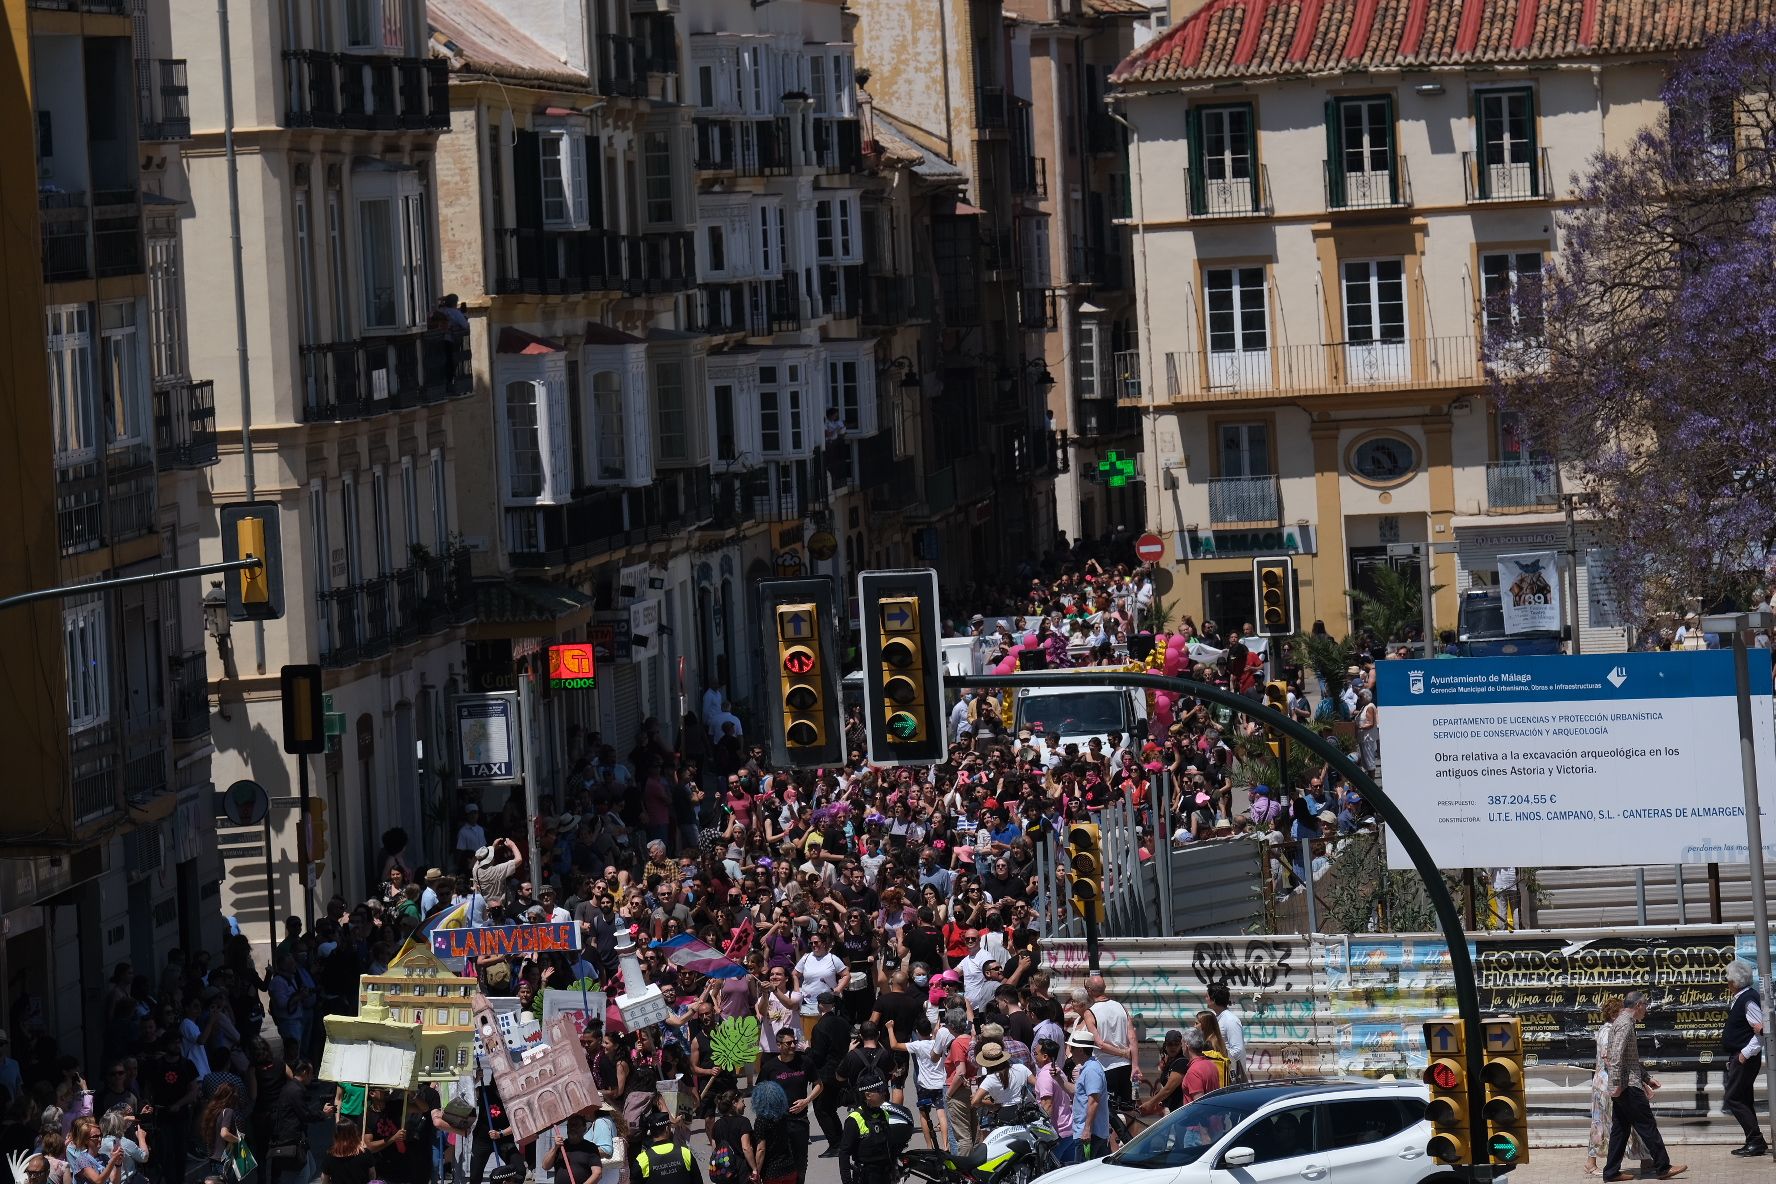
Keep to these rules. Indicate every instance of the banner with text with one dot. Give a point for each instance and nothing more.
(485, 941)
(1616, 759)
(1531, 592)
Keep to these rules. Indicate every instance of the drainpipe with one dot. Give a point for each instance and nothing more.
(1149, 372)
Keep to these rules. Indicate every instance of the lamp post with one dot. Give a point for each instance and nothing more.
(216, 621)
(1739, 625)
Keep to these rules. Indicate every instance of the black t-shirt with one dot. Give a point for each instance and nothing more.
(580, 1156)
(1178, 1065)
(348, 1169)
(864, 1062)
(902, 1009)
(166, 1081)
(729, 1130)
(861, 897)
(792, 1076)
(925, 945)
(1020, 1026)
(779, 1138)
(393, 1162)
(859, 953)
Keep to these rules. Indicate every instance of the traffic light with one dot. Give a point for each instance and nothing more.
(1447, 1075)
(903, 701)
(1276, 695)
(1507, 1111)
(807, 726)
(1085, 863)
(317, 832)
(1273, 581)
(305, 724)
(250, 530)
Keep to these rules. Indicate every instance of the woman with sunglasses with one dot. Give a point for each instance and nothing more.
(119, 1131)
(84, 1160)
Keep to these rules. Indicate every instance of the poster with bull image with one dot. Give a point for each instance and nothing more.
(1529, 588)
(1556, 987)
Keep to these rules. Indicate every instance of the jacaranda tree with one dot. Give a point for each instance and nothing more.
(1653, 374)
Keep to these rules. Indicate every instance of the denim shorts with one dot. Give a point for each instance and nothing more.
(930, 1099)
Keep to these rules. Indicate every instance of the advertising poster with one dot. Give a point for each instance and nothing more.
(1380, 991)
(1530, 590)
(1617, 759)
(1556, 987)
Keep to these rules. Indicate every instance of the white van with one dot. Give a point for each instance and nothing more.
(1077, 714)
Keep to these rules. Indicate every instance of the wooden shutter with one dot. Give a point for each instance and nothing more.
(1482, 175)
(527, 203)
(1252, 154)
(1198, 188)
(1334, 157)
(1393, 154)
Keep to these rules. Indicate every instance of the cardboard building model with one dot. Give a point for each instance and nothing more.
(418, 986)
(371, 1049)
(545, 1085)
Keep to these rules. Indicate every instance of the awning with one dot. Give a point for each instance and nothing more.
(958, 208)
(515, 609)
(517, 341)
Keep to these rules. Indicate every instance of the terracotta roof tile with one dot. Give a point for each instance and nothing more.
(1270, 38)
(1117, 7)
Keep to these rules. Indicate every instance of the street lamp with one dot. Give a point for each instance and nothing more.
(909, 378)
(1739, 625)
(216, 622)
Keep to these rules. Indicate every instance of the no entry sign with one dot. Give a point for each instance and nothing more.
(1149, 548)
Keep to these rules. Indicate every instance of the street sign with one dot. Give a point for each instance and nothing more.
(1556, 761)
(1502, 1036)
(245, 803)
(1443, 1036)
(1115, 471)
(1149, 548)
(487, 738)
(822, 545)
(573, 667)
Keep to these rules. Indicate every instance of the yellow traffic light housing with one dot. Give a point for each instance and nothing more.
(1276, 695)
(249, 530)
(806, 727)
(1085, 863)
(903, 713)
(1273, 581)
(1507, 1107)
(1447, 1074)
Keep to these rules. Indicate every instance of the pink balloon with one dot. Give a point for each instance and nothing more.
(1006, 666)
(1030, 640)
(1162, 716)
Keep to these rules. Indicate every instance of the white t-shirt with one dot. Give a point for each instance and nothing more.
(192, 1048)
(928, 1060)
(1113, 1028)
(1233, 1035)
(1006, 1093)
(975, 984)
(819, 975)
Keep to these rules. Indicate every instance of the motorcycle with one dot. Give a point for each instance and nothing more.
(1016, 1151)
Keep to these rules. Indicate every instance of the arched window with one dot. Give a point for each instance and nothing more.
(607, 412)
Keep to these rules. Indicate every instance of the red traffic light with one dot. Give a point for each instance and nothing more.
(798, 661)
(1444, 1076)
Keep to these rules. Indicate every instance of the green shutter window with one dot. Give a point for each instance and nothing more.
(1508, 160)
(1386, 139)
(1252, 154)
(1198, 199)
(1334, 158)
(1481, 189)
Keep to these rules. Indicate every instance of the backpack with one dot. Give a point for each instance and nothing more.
(725, 1166)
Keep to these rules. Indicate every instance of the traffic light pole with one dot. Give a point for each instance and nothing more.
(1461, 965)
(153, 577)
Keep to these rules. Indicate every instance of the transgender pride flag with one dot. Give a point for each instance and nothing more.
(699, 957)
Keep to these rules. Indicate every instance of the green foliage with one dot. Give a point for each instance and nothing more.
(735, 1042)
(1368, 898)
(1156, 617)
(1326, 657)
(1394, 607)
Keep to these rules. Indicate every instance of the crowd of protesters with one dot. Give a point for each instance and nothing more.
(888, 920)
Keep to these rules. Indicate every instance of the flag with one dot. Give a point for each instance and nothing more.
(449, 917)
(699, 957)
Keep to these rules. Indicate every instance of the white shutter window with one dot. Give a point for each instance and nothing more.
(847, 245)
(524, 440)
(765, 254)
(577, 154)
(89, 675)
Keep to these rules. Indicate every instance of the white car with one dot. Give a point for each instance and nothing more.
(1324, 1131)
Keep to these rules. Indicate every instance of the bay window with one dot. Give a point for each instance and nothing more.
(524, 440)
(851, 386)
(607, 419)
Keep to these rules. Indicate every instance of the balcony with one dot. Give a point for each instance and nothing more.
(1420, 363)
(66, 252)
(101, 7)
(164, 97)
(998, 253)
(364, 92)
(992, 108)
(1128, 375)
(1529, 180)
(715, 145)
(606, 520)
(557, 262)
(185, 424)
(1103, 135)
(887, 301)
(94, 772)
(130, 500)
(662, 261)
(145, 757)
(1244, 499)
(356, 379)
(841, 289)
(1029, 176)
(364, 620)
(1228, 197)
(776, 307)
(1386, 189)
(80, 507)
(189, 692)
(768, 153)
(117, 232)
(838, 145)
(1522, 485)
(622, 66)
(1104, 270)
(1038, 308)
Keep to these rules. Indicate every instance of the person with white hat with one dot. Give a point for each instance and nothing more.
(1091, 1096)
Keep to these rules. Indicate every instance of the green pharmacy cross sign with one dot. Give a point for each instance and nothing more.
(1115, 471)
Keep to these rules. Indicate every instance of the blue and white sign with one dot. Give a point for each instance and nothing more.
(1616, 759)
(487, 738)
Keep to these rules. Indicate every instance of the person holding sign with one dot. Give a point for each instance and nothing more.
(574, 1159)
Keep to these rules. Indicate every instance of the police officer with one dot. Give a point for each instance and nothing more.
(662, 1159)
(866, 1153)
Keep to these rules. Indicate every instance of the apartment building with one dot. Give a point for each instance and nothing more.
(108, 854)
(948, 76)
(1070, 172)
(345, 393)
(678, 258)
(1330, 219)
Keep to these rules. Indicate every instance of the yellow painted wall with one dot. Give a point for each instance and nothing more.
(33, 695)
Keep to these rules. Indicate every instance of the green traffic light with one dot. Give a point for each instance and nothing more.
(1502, 1147)
(902, 726)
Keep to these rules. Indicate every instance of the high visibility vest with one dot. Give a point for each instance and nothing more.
(661, 1157)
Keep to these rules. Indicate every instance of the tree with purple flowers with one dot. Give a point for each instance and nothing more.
(1651, 376)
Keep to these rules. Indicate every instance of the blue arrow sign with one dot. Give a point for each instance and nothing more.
(897, 615)
(795, 624)
(1501, 1036)
(1442, 1038)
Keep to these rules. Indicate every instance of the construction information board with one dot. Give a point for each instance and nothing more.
(1592, 759)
